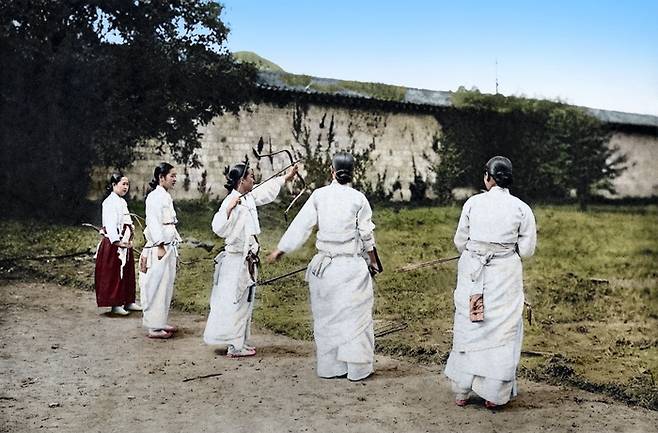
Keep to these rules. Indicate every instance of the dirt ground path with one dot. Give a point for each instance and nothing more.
(66, 366)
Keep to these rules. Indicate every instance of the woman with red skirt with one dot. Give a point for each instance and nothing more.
(115, 265)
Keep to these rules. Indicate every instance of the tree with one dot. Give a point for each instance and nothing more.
(587, 162)
(554, 147)
(87, 82)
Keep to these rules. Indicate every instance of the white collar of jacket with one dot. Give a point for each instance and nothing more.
(497, 188)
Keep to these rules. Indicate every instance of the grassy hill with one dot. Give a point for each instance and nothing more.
(260, 62)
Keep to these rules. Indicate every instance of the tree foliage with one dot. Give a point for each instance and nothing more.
(555, 148)
(586, 160)
(87, 82)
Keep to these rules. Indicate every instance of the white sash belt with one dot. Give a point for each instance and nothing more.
(484, 253)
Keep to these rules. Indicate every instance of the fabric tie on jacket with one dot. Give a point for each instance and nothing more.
(484, 253)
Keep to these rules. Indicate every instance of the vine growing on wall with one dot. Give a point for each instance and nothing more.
(202, 186)
(317, 154)
(377, 191)
(447, 172)
(555, 148)
(419, 185)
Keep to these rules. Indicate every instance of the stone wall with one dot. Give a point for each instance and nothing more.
(397, 140)
(640, 179)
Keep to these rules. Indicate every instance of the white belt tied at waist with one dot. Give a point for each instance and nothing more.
(484, 252)
(322, 260)
(149, 259)
(173, 243)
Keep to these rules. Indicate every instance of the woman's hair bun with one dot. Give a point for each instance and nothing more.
(500, 168)
(161, 169)
(343, 164)
(115, 178)
(234, 174)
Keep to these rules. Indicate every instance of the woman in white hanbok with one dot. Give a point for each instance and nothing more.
(160, 254)
(236, 267)
(339, 275)
(495, 230)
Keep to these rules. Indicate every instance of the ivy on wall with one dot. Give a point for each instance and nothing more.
(555, 148)
(318, 151)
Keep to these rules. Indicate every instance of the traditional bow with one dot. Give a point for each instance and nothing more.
(271, 155)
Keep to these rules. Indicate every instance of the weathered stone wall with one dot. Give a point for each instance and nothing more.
(640, 179)
(396, 139)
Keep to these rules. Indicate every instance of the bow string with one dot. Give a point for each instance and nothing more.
(257, 153)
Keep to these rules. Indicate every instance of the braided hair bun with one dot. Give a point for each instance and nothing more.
(343, 164)
(500, 168)
(161, 169)
(115, 178)
(235, 174)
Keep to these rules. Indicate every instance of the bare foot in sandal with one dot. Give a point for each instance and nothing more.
(490, 405)
(160, 333)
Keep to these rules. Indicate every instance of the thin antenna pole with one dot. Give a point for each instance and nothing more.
(496, 75)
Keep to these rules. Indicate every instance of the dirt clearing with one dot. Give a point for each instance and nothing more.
(67, 366)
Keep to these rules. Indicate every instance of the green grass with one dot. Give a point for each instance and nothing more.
(592, 284)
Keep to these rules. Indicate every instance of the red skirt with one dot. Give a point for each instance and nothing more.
(111, 289)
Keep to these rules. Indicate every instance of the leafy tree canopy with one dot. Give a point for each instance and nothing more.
(84, 82)
(555, 148)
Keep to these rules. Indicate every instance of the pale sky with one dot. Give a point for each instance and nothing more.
(600, 54)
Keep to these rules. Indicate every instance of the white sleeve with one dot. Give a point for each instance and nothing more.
(463, 228)
(223, 225)
(301, 227)
(268, 191)
(527, 233)
(366, 226)
(125, 214)
(154, 219)
(110, 221)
